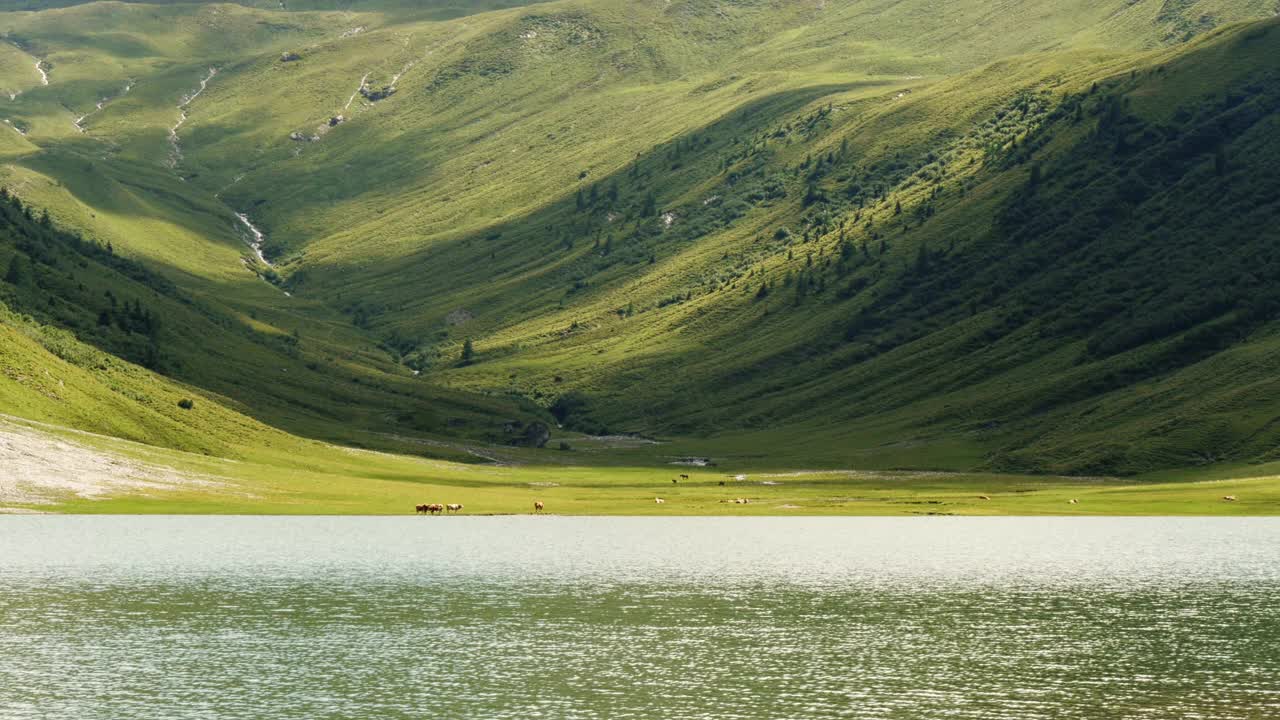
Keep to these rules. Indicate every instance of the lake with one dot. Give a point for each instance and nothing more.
(131, 618)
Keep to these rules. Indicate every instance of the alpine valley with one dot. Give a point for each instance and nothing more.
(747, 256)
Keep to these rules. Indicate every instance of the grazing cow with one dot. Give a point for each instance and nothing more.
(1074, 501)
(983, 497)
(420, 509)
(675, 481)
(684, 477)
(658, 501)
(721, 483)
(1230, 498)
(537, 506)
(453, 507)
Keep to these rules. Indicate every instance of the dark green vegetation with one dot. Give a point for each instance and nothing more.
(795, 234)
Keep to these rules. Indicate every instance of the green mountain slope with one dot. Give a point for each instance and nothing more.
(309, 379)
(1027, 237)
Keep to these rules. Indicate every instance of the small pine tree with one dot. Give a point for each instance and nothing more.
(650, 206)
(763, 292)
(18, 273)
(922, 259)
(468, 351)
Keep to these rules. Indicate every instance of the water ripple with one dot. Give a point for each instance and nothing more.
(239, 618)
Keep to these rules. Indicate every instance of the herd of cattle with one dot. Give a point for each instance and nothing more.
(437, 508)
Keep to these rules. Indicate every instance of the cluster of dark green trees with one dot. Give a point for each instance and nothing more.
(60, 279)
(1152, 236)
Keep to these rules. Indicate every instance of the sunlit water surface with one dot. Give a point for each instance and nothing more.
(131, 618)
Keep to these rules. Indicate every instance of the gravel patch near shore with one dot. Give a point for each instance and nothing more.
(39, 469)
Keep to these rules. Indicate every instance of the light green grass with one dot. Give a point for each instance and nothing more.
(289, 476)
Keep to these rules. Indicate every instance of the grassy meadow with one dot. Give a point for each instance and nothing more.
(290, 476)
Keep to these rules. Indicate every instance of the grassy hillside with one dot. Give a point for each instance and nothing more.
(307, 378)
(1032, 237)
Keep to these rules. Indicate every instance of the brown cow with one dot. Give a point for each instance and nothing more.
(453, 507)
(537, 506)
(684, 477)
(435, 508)
(422, 509)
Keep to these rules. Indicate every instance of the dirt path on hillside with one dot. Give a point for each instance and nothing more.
(79, 122)
(39, 469)
(488, 453)
(175, 154)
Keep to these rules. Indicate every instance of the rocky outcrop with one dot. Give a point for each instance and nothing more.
(290, 57)
(459, 317)
(537, 435)
(373, 95)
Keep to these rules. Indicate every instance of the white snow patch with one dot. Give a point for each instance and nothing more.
(256, 238)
